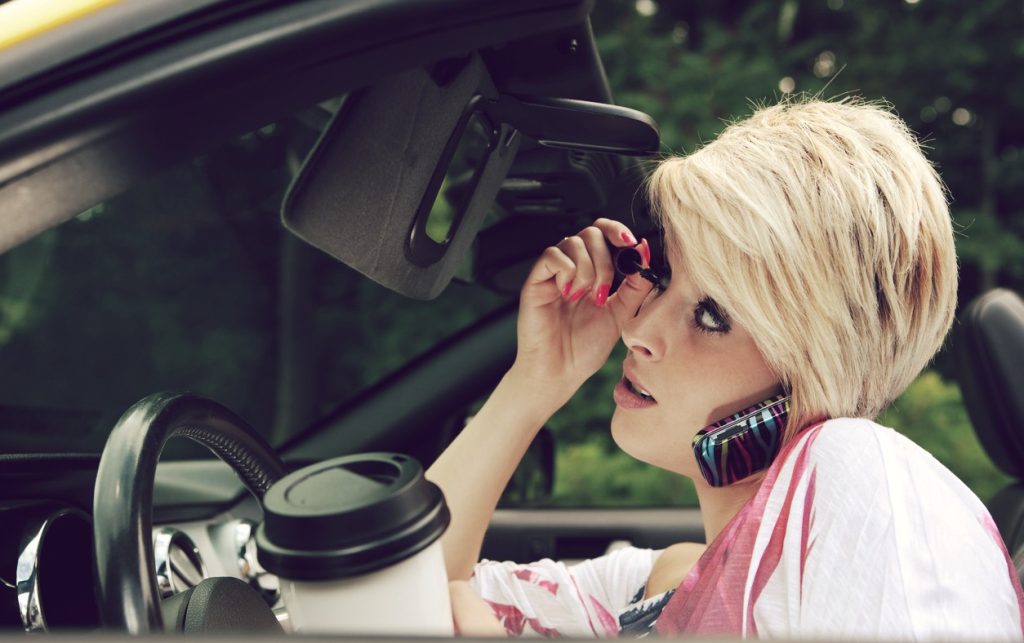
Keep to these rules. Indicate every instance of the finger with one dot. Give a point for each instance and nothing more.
(576, 250)
(553, 266)
(617, 233)
(604, 269)
(627, 300)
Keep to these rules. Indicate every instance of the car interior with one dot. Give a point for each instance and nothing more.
(425, 147)
(409, 117)
(989, 350)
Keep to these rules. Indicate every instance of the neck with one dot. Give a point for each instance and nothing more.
(718, 505)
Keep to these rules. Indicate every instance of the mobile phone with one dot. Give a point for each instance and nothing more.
(741, 444)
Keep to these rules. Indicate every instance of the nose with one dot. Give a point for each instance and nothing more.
(641, 333)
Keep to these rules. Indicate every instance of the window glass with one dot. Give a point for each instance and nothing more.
(189, 282)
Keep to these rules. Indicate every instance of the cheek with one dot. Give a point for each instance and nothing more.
(700, 380)
(711, 379)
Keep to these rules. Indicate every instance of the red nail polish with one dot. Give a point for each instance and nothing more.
(628, 238)
(579, 293)
(645, 249)
(602, 294)
(567, 289)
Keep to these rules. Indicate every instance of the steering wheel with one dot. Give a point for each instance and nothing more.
(123, 498)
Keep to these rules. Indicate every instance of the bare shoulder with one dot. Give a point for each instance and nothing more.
(672, 567)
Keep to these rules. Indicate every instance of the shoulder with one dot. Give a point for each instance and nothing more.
(834, 438)
(880, 523)
(856, 456)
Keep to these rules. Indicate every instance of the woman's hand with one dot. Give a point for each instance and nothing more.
(472, 615)
(567, 323)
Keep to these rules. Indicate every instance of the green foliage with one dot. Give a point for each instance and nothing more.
(185, 281)
(591, 475)
(984, 243)
(948, 68)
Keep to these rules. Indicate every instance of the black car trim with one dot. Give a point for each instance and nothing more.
(406, 410)
(68, 149)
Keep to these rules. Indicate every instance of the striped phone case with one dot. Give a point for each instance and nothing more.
(743, 443)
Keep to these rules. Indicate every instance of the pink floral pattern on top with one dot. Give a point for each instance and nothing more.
(855, 532)
(549, 598)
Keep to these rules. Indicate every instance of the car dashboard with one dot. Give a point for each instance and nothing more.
(203, 527)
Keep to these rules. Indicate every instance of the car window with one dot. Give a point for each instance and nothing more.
(189, 282)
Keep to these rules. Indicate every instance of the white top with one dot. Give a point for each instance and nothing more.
(855, 532)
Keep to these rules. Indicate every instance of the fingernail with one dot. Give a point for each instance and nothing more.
(579, 293)
(602, 294)
(567, 289)
(628, 238)
(645, 250)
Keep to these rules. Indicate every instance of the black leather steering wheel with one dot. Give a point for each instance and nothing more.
(123, 497)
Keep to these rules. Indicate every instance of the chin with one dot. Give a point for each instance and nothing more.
(646, 440)
(642, 440)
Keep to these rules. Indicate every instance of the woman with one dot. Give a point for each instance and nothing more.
(813, 275)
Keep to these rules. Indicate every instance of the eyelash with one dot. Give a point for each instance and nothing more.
(705, 305)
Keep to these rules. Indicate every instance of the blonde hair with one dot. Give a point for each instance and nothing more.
(821, 228)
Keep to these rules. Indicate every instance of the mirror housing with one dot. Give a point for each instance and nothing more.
(579, 124)
(400, 181)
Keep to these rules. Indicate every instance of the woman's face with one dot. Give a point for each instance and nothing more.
(698, 365)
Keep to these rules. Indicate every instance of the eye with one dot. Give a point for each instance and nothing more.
(708, 317)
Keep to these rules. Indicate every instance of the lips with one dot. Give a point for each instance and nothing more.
(630, 393)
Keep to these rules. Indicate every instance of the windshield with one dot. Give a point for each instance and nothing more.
(189, 282)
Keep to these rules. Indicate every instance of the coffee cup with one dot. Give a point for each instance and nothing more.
(356, 544)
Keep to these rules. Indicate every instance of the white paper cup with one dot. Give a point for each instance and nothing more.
(355, 542)
(408, 598)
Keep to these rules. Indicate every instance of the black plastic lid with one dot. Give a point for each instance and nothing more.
(349, 516)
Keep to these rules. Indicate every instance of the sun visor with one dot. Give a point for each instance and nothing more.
(403, 176)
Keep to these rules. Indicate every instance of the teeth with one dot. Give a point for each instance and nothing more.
(639, 391)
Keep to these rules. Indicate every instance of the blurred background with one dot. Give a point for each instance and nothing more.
(188, 280)
(950, 69)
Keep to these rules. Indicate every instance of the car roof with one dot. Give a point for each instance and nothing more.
(37, 36)
(92, 101)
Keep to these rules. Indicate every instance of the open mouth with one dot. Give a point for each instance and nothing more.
(636, 390)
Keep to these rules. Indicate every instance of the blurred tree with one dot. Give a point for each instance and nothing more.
(948, 68)
(206, 292)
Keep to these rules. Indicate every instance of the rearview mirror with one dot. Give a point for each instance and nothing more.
(403, 176)
(579, 124)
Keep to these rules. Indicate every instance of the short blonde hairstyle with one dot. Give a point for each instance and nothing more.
(821, 228)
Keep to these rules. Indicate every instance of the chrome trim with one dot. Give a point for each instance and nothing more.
(26, 574)
(178, 563)
(27, 580)
(281, 614)
(249, 568)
